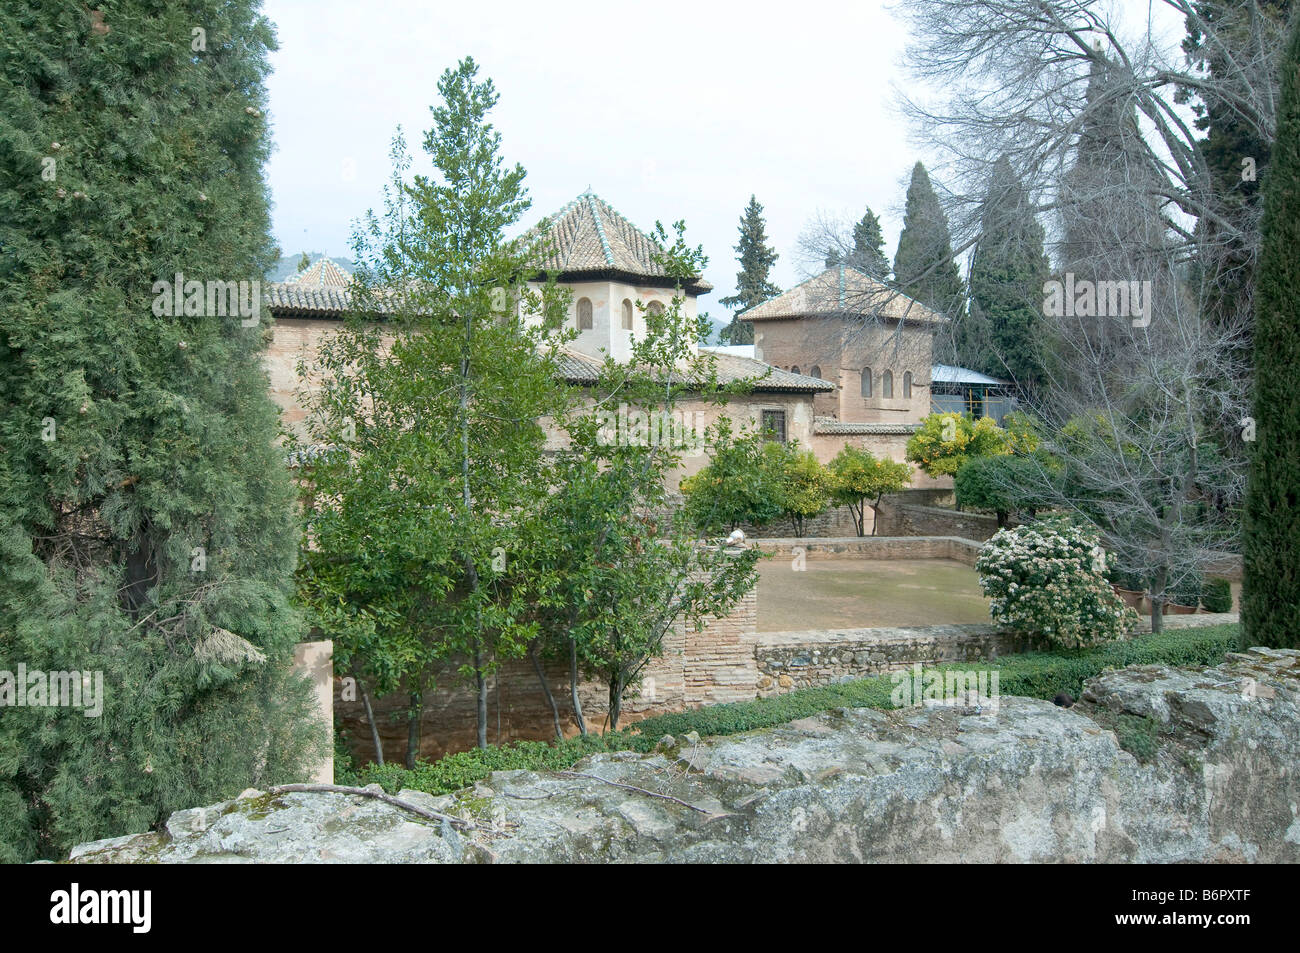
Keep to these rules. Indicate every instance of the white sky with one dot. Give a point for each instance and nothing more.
(667, 110)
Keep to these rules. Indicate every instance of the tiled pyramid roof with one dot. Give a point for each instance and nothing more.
(322, 287)
(840, 290)
(322, 273)
(588, 237)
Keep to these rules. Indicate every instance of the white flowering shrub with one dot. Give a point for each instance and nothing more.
(1050, 580)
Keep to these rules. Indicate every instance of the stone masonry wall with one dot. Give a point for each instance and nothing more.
(907, 519)
(790, 660)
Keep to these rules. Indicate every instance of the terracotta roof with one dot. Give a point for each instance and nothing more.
(283, 297)
(588, 237)
(827, 425)
(841, 290)
(322, 273)
(579, 368)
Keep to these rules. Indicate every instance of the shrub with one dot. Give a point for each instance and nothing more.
(1049, 579)
(1217, 596)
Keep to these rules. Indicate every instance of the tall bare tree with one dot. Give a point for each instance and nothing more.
(1147, 381)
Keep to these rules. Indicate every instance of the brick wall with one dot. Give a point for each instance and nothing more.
(708, 667)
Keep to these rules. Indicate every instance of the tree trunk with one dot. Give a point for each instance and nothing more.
(481, 684)
(1158, 601)
(535, 653)
(573, 686)
(413, 711)
(370, 715)
(615, 702)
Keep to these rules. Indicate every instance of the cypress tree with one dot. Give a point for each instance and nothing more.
(1270, 605)
(869, 247)
(1236, 156)
(756, 258)
(146, 522)
(923, 265)
(1007, 273)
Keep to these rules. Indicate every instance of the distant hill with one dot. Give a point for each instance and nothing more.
(717, 327)
(287, 265)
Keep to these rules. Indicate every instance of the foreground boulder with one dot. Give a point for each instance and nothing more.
(1152, 765)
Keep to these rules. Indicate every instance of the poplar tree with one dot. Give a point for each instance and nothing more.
(1271, 589)
(756, 258)
(146, 530)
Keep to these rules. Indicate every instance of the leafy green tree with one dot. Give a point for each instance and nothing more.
(1003, 483)
(1271, 587)
(1008, 270)
(611, 579)
(857, 475)
(924, 268)
(736, 486)
(434, 417)
(946, 441)
(146, 523)
(803, 485)
(756, 258)
(869, 247)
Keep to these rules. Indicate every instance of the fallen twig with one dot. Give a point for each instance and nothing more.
(377, 795)
(633, 787)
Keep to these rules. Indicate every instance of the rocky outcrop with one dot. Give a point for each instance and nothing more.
(1152, 765)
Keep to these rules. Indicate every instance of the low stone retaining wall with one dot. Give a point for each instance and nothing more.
(898, 518)
(836, 521)
(790, 660)
(876, 547)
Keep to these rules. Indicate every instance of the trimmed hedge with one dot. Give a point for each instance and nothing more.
(1031, 674)
(1217, 596)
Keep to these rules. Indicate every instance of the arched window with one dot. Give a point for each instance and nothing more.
(627, 315)
(816, 370)
(584, 314)
(866, 382)
(794, 369)
(907, 385)
(655, 307)
(887, 385)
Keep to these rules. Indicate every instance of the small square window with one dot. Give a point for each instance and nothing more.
(773, 422)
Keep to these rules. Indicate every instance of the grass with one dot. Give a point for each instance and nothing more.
(1031, 674)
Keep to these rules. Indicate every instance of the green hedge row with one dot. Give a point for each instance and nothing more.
(1032, 674)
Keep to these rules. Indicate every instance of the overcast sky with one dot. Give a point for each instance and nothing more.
(670, 110)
